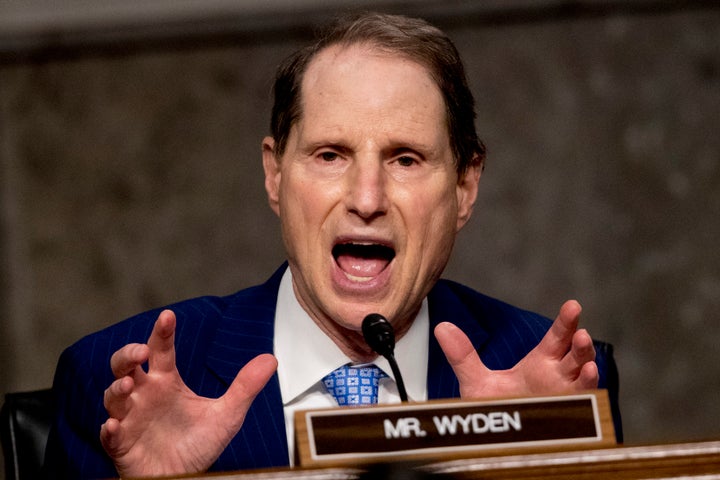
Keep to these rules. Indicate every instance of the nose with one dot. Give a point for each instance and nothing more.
(367, 190)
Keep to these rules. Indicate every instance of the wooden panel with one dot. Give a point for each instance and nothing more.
(699, 460)
(658, 461)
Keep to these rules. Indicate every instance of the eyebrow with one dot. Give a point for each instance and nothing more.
(392, 144)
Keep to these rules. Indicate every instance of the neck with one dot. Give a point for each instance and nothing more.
(351, 342)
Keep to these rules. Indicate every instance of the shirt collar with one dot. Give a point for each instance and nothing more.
(306, 354)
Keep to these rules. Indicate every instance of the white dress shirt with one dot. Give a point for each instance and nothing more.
(305, 355)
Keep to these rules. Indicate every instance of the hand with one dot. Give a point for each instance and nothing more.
(563, 361)
(157, 425)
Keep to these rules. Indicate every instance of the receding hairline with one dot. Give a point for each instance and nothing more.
(372, 48)
(398, 36)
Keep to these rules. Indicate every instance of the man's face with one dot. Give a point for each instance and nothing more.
(366, 190)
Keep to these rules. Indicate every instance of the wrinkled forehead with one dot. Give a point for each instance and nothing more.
(334, 53)
(366, 64)
(357, 79)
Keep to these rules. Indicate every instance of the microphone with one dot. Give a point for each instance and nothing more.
(380, 336)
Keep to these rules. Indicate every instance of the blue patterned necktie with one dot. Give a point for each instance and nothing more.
(354, 385)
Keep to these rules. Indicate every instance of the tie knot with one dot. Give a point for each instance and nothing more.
(354, 385)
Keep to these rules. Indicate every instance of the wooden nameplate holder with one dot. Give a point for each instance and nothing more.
(453, 429)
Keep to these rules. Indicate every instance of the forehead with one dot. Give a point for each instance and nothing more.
(341, 63)
(364, 82)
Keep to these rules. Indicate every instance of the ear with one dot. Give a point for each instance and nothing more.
(467, 190)
(271, 165)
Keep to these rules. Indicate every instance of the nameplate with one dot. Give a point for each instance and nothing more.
(453, 428)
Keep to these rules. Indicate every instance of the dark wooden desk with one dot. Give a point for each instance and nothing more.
(699, 460)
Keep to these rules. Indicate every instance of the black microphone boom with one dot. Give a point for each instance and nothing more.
(379, 334)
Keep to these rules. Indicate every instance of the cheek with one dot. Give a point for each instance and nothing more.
(305, 209)
(293, 217)
(297, 200)
(439, 205)
(433, 217)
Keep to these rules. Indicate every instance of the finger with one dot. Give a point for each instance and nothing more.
(588, 377)
(111, 437)
(117, 397)
(582, 349)
(558, 339)
(247, 384)
(460, 353)
(162, 343)
(581, 352)
(126, 360)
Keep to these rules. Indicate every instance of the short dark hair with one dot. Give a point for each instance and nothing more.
(412, 38)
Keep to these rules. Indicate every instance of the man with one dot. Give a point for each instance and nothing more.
(373, 168)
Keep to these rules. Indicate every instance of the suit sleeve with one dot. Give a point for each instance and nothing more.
(610, 380)
(74, 449)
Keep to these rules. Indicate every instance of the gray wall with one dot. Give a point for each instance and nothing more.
(130, 177)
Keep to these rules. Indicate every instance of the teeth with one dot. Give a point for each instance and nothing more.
(358, 279)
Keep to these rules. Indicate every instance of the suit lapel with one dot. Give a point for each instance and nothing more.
(246, 330)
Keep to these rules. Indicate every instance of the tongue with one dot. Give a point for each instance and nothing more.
(361, 266)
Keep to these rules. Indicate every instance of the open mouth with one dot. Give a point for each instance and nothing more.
(362, 261)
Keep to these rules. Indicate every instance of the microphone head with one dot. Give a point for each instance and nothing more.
(379, 334)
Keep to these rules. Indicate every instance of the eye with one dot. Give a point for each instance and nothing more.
(406, 161)
(328, 156)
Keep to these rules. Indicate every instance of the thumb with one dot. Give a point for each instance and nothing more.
(460, 354)
(248, 383)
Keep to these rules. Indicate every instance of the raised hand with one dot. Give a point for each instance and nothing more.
(563, 361)
(157, 425)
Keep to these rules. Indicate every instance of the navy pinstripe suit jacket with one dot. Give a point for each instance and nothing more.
(216, 336)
